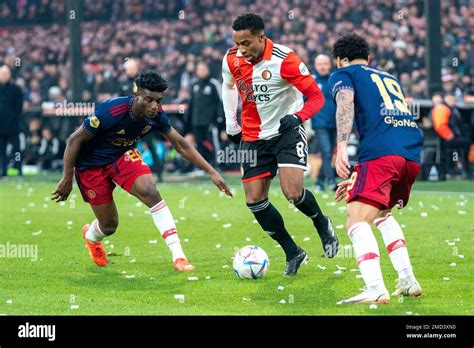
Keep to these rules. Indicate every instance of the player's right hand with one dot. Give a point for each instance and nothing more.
(342, 190)
(62, 191)
(342, 162)
(219, 181)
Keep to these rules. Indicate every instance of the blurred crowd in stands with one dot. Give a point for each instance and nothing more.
(175, 36)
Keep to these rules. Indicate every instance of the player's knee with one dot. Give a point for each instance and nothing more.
(148, 192)
(252, 197)
(292, 194)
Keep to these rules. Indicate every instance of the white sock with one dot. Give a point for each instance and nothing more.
(367, 255)
(394, 240)
(164, 222)
(94, 234)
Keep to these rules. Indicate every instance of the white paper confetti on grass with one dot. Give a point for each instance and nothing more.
(341, 268)
(280, 288)
(207, 277)
(461, 256)
(373, 306)
(354, 270)
(445, 278)
(424, 214)
(37, 233)
(193, 278)
(27, 222)
(282, 301)
(457, 239)
(74, 306)
(31, 204)
(45, 206)
(325, 196)
(331, 204)
(186, 240)
(69, 223)
(214, 215)
(218, 246)
(306, 239)
(138, 204)
(247, 239)
(226, 225)
(131, 276)
(124, 272)
(9, 301)
(130, 214)
(153, 241)
(245, 298)
(182, 218)
(179, 297)
(451, 243)
(255, 222)
(409, 313)
(403, 226)
(225, 266)
(337, 272)
(133, 260)
(339, 227)
(24, 210)
(107, 242)
(206, 192)
(453, 264)
(461, 212)
(358, 275)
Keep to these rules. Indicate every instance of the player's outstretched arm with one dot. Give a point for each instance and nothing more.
(73, 147)
(190, 153)
(344, 121)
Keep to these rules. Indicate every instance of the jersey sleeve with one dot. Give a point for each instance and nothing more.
(97, 120)
(164, 125)
(296, 72)
(339, 80)
(230, 99)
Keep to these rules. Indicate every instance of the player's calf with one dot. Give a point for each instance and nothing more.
(395, 244)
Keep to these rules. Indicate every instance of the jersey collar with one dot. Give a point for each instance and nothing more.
(267, 53)
(130, 112)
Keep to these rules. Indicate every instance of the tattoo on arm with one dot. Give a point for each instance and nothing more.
(344, 114)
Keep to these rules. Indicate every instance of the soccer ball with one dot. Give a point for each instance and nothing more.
(251, 262)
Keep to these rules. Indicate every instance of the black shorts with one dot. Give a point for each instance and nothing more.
(262, 158)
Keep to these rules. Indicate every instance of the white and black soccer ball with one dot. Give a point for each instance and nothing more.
(251, 262)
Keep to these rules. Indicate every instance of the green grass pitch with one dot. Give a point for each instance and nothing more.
(140, 279)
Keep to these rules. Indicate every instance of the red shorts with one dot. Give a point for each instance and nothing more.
(383, 182)
(97, 183)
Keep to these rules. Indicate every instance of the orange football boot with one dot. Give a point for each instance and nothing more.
(183, 265)
(96, 250)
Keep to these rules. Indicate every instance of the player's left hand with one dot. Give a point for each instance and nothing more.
(62, 191)
(288, 123)
(342, 162)
(219, 181)
(341, 190)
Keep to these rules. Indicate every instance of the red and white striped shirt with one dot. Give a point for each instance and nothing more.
(269, 88)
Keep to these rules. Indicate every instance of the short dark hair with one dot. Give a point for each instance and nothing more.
(150, 79)
(351, 46)
(249, 21)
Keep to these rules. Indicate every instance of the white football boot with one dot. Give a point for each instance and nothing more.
(408, 287)
(368, 296)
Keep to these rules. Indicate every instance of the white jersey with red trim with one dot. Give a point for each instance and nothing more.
(269, 89)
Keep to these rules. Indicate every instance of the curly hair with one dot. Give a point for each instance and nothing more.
(249, 21)
(351, 46)
(150, 79)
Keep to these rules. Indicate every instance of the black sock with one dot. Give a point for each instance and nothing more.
(272, 223)
(307, 205)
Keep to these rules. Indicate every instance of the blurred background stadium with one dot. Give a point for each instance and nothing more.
(65, 56)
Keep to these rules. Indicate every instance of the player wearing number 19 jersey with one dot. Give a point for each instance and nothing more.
(103, 154)
(389, 156)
